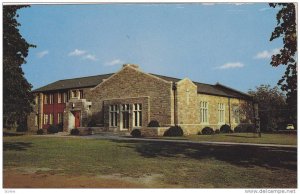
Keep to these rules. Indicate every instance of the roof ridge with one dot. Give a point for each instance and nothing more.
(84, 77)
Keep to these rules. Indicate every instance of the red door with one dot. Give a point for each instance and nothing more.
(77, 119)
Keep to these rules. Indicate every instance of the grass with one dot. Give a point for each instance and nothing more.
(283, 139)
(179, 164)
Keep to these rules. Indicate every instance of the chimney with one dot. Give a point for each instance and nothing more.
(131, 65)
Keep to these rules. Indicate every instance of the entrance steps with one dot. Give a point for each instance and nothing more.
(113, 133)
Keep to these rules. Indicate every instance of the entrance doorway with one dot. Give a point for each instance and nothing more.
(77, 118)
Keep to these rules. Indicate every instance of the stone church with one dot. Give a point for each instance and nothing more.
(132, 99)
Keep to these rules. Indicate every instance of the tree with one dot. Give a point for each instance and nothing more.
(17, 98)
(272, 107)
(286, 28)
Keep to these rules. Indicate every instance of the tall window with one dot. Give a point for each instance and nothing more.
(74, 93)
(45, 119)
(36, 99)
(36, 120)
(58, 97)
(203, 112)
(50, 119)
(59, 117)
(113, 115)
(81, 94)
(125, 116)
(65, 97)
(236, 113)
(50, 98)
(137, 115)
(46, 99)
(221, 113)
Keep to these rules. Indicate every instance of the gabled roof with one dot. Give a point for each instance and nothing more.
(92, 81)
(81, 82)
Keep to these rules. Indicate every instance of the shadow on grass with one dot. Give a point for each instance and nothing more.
(11, 134)
(16, 146)
(240, 155)
(244, 136)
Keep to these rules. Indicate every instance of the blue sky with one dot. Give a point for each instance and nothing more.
(206, 42)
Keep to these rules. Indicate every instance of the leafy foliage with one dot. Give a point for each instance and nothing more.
(207, 131)
(75, 131)
(17, 98)
(136, 133)
(52, 129)
(174, 131)
(272, 106)
(40, 132)
(153, 123)
(286, 28)
(225, 129)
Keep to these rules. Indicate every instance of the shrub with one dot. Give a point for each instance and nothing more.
(92, 123)
(239, 129)
(22, 127)
(136, 133)
(153, 123)
(75, 131)
(174, 131)
(217, 131)
(60, 126)
(251, 129)
(225, 129)
(52, 129)
(40, 132)
(207, 131)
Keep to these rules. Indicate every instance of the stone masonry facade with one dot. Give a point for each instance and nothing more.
(131, 99)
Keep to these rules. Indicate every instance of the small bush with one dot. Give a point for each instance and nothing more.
(153, 123)
(60, 126)
(92, 123)
(251, 129)
(225, 129)
(136, 133)
(40, 132)
(207, 131)
(52, 129)
(217, 131)
(75, 131)
(174, 131)
(239, 129)
(22, 127)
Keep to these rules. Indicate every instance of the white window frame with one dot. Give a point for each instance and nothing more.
(65, 96)
(59, 117)
(58, 97)
(50, 98)
(46, 120)
(51, 119)
(204, 112)
(46, 99)
(74, 93)
(221, 113)
(36, 120)
(125, 108)
(113, 115)
(137, 115)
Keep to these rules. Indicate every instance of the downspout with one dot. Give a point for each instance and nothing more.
(174, 88)
(229, 112)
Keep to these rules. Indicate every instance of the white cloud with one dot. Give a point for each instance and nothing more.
(268, 8)
(267, 54)
(90, 57)
(231, 65)
(114, 62)
(42, 54)
(208, 4)
(77, 52)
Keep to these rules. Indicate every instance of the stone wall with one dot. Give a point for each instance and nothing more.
(130, 83)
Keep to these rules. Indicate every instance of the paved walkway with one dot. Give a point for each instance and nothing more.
(115, 137)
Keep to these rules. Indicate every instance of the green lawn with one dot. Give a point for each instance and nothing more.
(177, 164)
(284, 139)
